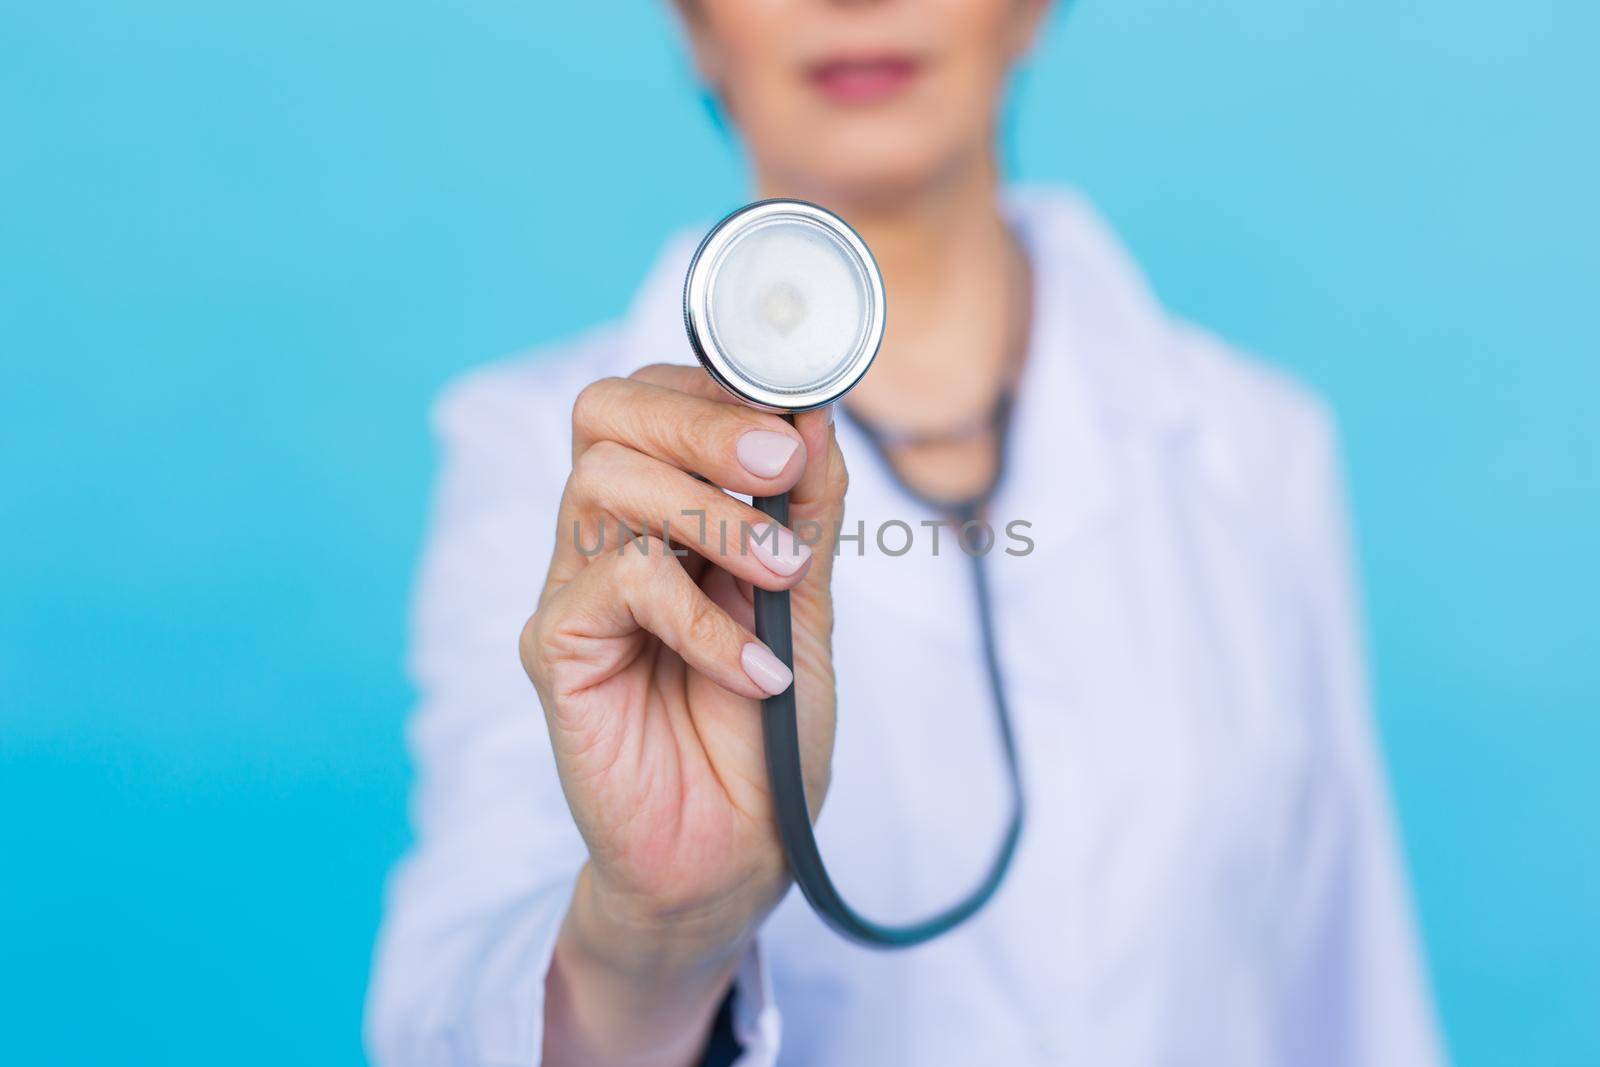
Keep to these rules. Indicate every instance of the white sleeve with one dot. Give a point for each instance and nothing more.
(1353, 986)
(473, 911)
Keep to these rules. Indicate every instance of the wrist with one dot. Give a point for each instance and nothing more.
(643, 937)
(628, 987)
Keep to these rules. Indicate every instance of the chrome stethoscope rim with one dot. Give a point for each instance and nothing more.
(701, 280)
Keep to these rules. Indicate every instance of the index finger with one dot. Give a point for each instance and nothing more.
(686, 379)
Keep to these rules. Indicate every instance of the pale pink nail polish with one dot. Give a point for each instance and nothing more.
(765, 669)
(778, 549)
(764, 453)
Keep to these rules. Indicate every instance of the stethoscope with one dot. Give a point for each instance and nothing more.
(784, 305)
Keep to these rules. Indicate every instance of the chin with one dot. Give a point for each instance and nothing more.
(858, 164)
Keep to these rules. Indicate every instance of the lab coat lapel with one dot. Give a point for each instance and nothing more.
(1097, 379)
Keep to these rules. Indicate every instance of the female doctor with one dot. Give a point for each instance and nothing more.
(1209, 872)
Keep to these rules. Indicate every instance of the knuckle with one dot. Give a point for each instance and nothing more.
(606, 456)
(592, 401)
(704, 625)
(582, 476)
(595, 472)
(837, 481)
(641, 559)
(661, 424)
(648, 371)
(532, 646)
(572, 490)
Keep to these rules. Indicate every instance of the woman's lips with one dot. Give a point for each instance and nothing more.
(862, 81)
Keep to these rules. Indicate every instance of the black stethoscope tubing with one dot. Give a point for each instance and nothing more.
(774, 626)
(780, 728)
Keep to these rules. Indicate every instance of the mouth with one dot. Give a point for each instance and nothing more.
(863, 80)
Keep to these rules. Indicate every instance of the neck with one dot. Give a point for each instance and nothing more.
(951, 268)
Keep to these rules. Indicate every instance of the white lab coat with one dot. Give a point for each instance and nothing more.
(1209, 874)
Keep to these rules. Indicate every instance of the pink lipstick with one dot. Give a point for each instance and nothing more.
(862, 80)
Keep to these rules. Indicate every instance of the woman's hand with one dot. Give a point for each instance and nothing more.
(651, 680)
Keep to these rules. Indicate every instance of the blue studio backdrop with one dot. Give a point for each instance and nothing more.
(242, 245)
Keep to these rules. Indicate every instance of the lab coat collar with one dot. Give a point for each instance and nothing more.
(1096, 319)
(1100, 381)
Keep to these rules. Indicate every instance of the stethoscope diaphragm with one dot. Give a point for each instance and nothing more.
(784, 305)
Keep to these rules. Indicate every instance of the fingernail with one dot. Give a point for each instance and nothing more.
(765, 453)
(765, 669)
(779, 549)
(829, 409)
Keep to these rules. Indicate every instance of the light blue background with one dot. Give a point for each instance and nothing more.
(242, 244)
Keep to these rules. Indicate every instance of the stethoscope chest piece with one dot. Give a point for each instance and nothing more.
(784, 305)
